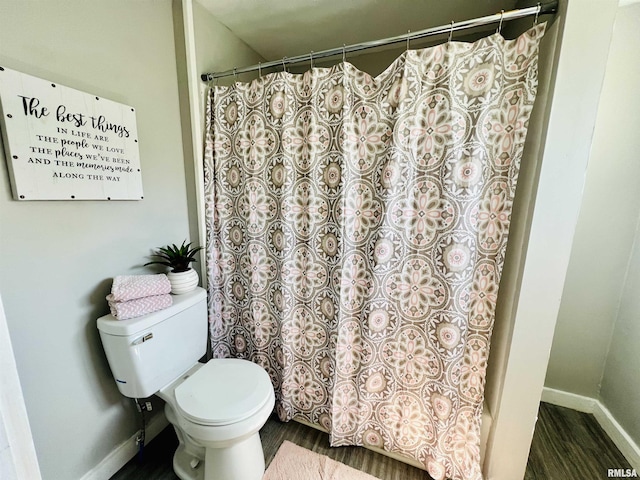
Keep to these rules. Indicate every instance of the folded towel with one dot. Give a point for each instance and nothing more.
(130, 287)
(139, 306)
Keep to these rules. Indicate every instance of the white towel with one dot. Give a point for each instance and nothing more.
(130, 287)
(139, 306)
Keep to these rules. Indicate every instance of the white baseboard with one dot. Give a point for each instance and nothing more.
(618, 435)
(568, 400)
(124, 452)
(627, 446)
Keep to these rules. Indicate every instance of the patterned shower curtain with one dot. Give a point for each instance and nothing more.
(357, 228)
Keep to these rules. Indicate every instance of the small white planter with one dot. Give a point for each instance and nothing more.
(183, 282)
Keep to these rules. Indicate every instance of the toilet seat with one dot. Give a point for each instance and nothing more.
(223, 392)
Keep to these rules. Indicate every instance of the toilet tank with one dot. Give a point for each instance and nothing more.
(148, 352)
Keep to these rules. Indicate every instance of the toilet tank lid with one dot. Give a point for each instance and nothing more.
(112, 326)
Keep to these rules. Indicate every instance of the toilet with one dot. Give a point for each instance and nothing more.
(216, 408)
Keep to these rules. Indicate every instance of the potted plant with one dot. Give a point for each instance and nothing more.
(182, 277)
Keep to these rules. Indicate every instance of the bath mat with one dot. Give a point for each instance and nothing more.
(297, 463)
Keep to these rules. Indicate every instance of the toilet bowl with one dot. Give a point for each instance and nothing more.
(216, 408)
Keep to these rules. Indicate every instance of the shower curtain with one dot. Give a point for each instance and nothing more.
(357, 227)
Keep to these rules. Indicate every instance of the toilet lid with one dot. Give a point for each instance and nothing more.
(223, 391)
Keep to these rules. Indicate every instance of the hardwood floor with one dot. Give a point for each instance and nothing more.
(380, 466)
(567, 445)
(157, 460)
(570, 445)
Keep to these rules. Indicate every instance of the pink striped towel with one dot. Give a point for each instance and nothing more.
(139, 306)
(130, 287)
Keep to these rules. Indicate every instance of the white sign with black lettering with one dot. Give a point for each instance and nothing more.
(64, 144)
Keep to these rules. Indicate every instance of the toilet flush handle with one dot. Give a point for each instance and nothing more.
(144, 338)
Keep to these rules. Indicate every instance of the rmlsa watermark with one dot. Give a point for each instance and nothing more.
(622, 473)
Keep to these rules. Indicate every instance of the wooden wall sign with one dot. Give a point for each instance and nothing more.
(64, 144)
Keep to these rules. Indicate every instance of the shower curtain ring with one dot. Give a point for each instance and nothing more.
(235, 74)
(499, 30)
(259, 69)
(450, 32)
(344, 52)
(284, 65)
(535, 20)
(311, 57)
(408, 36)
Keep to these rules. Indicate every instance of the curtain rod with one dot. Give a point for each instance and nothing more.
(540, 8)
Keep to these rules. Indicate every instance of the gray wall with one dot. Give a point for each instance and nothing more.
(217, 48)
(58, 258)
(595, 349)
(620, 391)
(607, 222)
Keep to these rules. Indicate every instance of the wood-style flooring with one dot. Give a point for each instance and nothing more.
(570, 445)
(567, 445)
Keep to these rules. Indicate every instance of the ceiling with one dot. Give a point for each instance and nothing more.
(278, 28)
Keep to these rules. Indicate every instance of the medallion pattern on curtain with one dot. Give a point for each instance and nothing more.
(356, 235)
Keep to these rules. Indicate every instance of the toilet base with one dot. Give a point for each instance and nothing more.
(182, 462)
(188, 459)
(224, 452)
(241, 461)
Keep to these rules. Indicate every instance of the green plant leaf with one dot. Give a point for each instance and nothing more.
(168, 264)
(177, 258)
